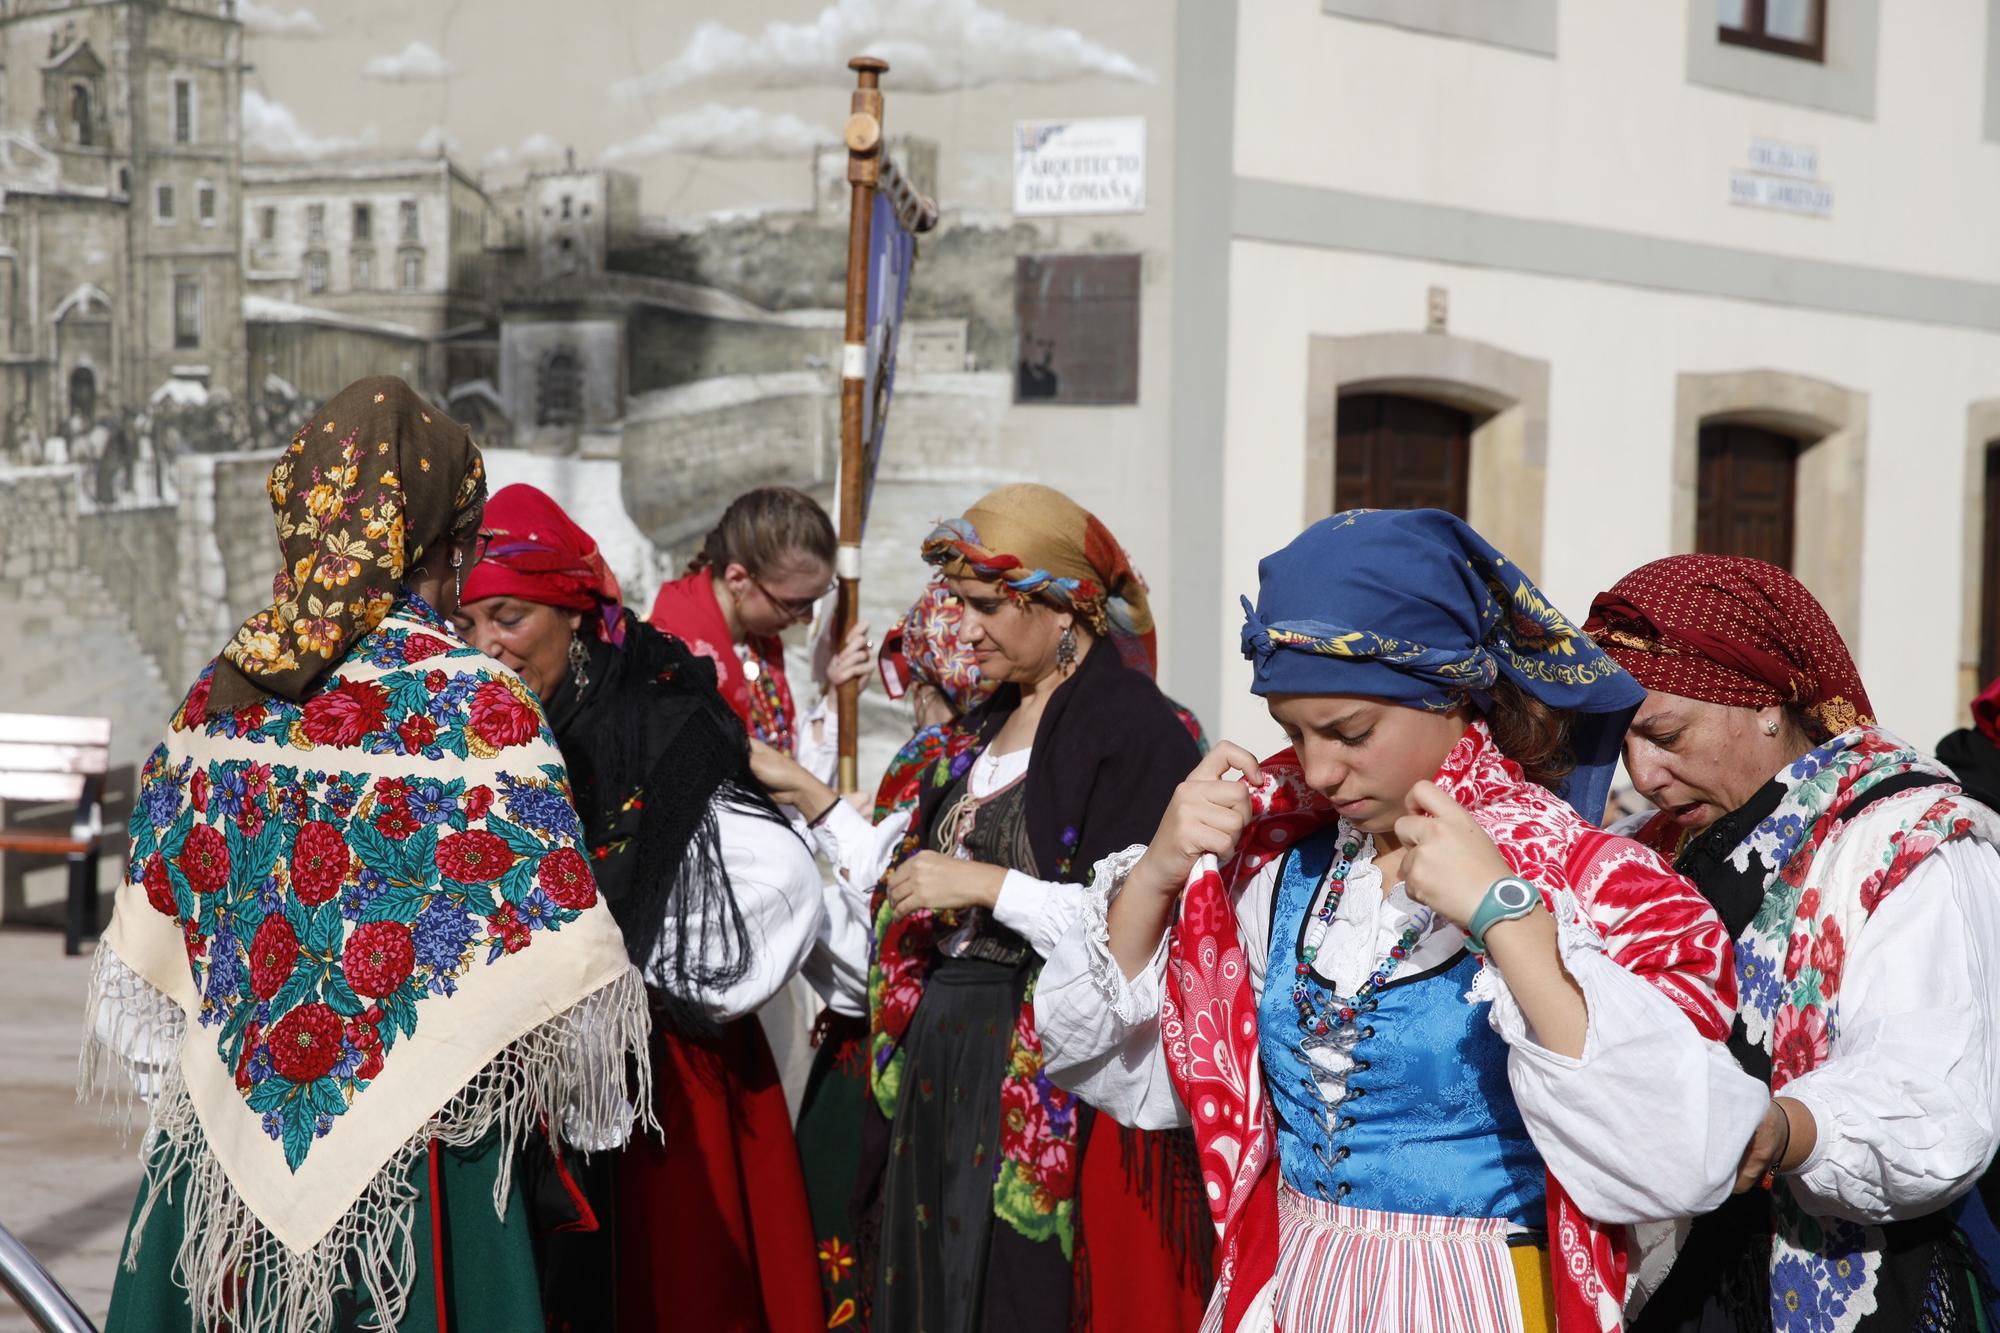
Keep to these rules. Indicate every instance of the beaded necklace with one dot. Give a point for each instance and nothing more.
(1316, 1018)
(768, 722)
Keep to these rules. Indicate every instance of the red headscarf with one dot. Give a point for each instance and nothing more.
(1731, 630)
(1986, 712)
(537, 553)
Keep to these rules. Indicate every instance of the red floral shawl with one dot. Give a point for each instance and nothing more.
(686, 608)
(1653, 923)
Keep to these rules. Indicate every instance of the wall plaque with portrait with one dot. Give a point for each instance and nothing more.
(1076, 323)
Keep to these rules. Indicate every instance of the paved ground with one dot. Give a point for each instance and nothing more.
(66, 1181)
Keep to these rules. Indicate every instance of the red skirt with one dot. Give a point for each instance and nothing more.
(1147, 1239)
(713, 1227)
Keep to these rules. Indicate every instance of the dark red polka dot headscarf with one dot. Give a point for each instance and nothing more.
(1731, 630)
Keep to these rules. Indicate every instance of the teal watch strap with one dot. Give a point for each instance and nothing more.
(1508, 898)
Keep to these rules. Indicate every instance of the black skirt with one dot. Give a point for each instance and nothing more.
(937, 1195)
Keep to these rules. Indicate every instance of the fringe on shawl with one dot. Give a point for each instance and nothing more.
(573, 1070)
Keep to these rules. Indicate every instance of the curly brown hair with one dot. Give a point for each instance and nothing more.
(1531, 733)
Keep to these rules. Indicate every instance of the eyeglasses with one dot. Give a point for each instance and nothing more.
(794, 609)
(482, 541)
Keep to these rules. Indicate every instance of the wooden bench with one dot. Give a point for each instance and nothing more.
(47, 759)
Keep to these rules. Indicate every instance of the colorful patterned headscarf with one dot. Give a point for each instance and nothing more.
(536, 552)
(1731, 630)
(925, 646)
(1413, 606)
(374, 480)
(1038, 543)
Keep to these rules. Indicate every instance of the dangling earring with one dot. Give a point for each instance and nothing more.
(1066, 650)
(579, 662)
(457, 575)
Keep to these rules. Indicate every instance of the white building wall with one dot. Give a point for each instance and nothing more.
(1519, 182)
(1615, 354)
(1611, 131)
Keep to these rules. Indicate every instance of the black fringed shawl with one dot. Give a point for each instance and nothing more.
(1109, 750)
(650, 744)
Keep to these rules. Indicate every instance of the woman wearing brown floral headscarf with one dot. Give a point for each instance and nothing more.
(358, 955)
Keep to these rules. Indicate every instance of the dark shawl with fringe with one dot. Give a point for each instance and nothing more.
(650, 744)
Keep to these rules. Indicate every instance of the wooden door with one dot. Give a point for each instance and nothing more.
(1396, 452)
(1989, 572)
(1747, 493)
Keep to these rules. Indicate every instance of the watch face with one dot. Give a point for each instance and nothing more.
(1513, 895)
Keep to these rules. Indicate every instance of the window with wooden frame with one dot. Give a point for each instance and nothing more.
(1989, 568)
(1783, 27)
(1397, 452)
(187, 311)
(1746, 495)
(559, 388)
(183, 111)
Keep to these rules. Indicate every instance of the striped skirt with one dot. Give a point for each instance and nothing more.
(1354, 1270)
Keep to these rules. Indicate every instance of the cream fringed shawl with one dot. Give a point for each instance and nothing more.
(351, 926)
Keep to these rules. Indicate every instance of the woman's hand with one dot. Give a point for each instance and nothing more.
(789, 782)
(1783, 1138)
(1448, 861)
(935, 882)
(1205, 818)
(853, 662)
(1448, 865)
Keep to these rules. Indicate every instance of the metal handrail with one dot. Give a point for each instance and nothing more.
(37, 1293)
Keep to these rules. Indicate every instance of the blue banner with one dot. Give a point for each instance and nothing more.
(892, 252)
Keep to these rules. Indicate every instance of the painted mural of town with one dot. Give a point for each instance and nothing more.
(193, 255)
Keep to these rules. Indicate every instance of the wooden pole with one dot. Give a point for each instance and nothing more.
(864, 166)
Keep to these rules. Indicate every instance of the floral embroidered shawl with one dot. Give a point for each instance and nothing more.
(353, 925)
(1823, 878)
(1653, 924)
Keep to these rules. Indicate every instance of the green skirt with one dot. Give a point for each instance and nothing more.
(488, 1282)
(829, 1135)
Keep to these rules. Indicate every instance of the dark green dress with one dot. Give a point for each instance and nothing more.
(487, 1281)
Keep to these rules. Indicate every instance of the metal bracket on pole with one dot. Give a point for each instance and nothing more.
(917, 212)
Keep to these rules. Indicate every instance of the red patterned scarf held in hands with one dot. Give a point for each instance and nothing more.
(1426, 614)
(1654, 925)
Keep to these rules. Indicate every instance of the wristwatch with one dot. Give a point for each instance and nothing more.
(1508, 898)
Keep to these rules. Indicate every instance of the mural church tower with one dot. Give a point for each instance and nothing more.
(120, 221)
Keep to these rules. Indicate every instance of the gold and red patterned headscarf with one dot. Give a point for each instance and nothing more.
(375, 479)
(1038, 543)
